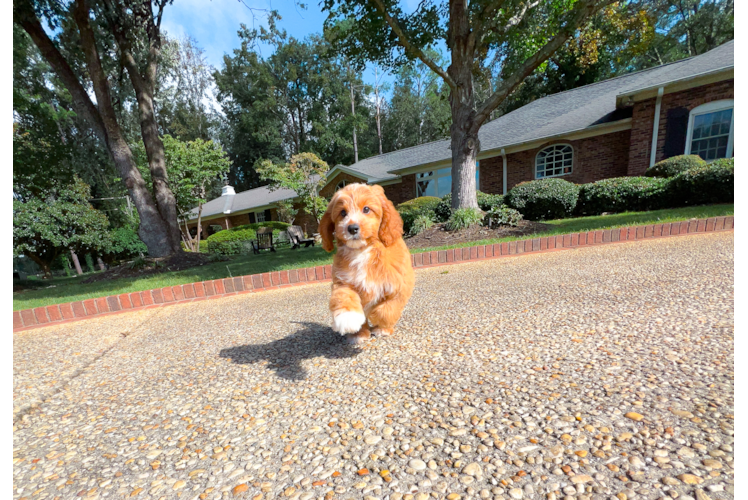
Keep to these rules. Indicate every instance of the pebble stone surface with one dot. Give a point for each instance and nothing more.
(598, 373)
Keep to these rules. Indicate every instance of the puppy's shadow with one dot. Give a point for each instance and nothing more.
(285, 356)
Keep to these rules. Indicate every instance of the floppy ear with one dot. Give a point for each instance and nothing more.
(391, 227)
(326, 229)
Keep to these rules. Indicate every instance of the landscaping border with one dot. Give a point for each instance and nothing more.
(203, 290)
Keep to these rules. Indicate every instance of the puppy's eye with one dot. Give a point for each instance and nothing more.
(343, 213)
(367, 210)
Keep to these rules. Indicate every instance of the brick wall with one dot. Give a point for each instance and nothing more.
(402, 191)
(595, 158)
(643, 117)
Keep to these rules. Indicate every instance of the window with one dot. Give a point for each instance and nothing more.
(554, 161)
(439, 182)
(710, 130)
(260, 216)
(341, 184)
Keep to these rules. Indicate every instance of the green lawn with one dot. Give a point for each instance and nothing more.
(70, 289)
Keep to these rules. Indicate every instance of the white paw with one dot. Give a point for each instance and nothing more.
(348, 322)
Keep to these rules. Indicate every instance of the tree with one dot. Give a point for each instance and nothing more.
(61, 220)
(304, 174)
(477, 35)
(195, 169)
(133, 31)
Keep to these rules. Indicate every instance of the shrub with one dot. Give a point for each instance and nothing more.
(543, 199)
(412, 209)
(502, 216)
(236, 240)
(420, 224)
(488, 201)
(674, 165)
(463, 218)
(709, 183)
(621, 194)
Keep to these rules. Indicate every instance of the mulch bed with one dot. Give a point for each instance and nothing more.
(179, 262)
(437, 235)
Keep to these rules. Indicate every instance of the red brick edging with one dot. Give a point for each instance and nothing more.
(74, 311)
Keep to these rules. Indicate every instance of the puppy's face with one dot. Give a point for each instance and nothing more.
(359, 215)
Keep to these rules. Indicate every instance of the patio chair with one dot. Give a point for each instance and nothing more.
(296, 235)
(264, 240)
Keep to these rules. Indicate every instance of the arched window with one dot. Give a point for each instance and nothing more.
(554, 161)
(710, 130)
(341, 184)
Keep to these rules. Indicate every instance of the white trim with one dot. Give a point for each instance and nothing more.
(712, 107)
(697, 80)
(535, 163)
(656, 126)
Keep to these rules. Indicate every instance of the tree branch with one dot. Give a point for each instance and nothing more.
(405, 42)
(481, 20)
(582, 10)
(25, 17)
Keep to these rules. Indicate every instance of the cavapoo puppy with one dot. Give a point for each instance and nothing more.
(372, 275)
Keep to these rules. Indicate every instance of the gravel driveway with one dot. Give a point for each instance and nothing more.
(603, 372)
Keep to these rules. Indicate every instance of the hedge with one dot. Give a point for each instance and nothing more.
(486, 202)
(543, 199)
(709, 183)
(621, 194)
(236, 240)
(674, 166)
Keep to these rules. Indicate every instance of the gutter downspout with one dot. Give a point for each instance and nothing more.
(503, 159)
(656, 126)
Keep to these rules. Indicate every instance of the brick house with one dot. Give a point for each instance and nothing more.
(613, 128)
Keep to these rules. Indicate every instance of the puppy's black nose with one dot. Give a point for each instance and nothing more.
(353, 229)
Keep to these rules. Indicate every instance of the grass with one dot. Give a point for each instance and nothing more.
(69, 289)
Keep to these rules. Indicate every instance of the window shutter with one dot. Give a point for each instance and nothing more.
(252, 218)
(676, 128)
(268, 216)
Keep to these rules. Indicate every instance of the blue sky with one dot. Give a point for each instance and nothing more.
(214, 23)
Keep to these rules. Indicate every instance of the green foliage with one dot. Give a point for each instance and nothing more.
(44, 227)
(286, 211)
(236, 240)
(412, 209)
(463, 218)
(90, 263)
(501, 215)
(443, 211)
(488, 201)
(543, 199)
(305, 174)
(709, 183)
(420, 224)
(674, 165)
(622, 194)
(126, 243)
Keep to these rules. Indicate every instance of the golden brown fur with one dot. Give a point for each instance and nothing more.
(372, 274)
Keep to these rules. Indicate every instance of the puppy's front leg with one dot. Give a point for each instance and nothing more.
(347, 312)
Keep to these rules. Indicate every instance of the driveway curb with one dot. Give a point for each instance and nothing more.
(116, 304)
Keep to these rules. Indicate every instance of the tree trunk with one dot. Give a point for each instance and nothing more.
(101, 264)
(199, 225)
(353, 113)
(76, 263)
(376, 95)
(465, 144)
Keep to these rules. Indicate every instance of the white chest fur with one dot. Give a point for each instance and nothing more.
(357, 275)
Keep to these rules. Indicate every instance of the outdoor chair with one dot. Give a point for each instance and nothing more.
(296, 235)
(264, 240)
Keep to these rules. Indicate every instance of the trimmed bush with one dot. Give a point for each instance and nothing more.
(413, 209)
(502, 216)
(674, 166)
(486, 202)
(236, 240)
(422, 223)
(463, 218)
(622, 194)
(709, 183)
(543, 199)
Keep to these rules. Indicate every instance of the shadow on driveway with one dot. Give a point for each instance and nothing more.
(284, 356)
